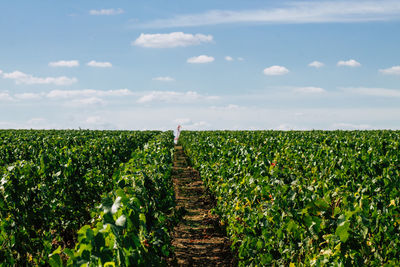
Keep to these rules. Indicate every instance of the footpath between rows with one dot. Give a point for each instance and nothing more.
(198, 238)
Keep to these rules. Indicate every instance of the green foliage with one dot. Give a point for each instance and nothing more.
(49, 183)
(131, 226)
(29, 144)
(304, 198)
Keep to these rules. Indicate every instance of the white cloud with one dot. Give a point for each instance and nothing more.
(87, 93)
(72, 97)
(5, 96)
(395, 70)
(169, 40)
(349, 63)
(200, 59)
(276, 70)
(65, 63)
(28, 96)
(97, 122)
(350, 126)
(309, 90)
(377, 92)
(118, 92)
(316, 64)
(86, 97)
(228, 107)
(90, 101)
(292, 12)
(97, 64)
(164, 79)
(240, 58)
(228, 58)
(23, 78)
(106, 12)
(178, 97)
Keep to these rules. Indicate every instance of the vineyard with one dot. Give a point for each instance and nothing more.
(106, 198)
(53, 183)
(304, 198)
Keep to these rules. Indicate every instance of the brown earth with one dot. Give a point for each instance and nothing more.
(198, 239)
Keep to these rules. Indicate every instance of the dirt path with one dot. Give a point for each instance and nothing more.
(197, 239)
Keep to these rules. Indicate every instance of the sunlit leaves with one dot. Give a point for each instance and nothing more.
(315, 198)
(133, 219)
(342, 230)
(49, 181)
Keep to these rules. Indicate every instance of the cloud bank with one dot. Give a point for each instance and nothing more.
(97, 64)
(275, 71)
(395, 70)
(23, 78)
(164, 79)
(349, 63)
(316, 64)
(293, 12)
(177, 97)
(200, 59)
(171, 40)
(106, 12)
(65, 63)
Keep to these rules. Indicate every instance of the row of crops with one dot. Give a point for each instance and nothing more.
(84, 197)
(304, 198)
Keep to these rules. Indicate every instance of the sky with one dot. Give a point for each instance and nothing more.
(206, 65)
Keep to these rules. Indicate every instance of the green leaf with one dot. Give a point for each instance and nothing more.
(142, 218)
(342, 231)
(259, 244)
(291, 226)
(57, 251)
(165, 250)
(89, 234)
(69, 252)
(322, 204)
(55, 260)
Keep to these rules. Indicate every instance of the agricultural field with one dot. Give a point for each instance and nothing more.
(53, 183)
(304, 198)
(107, 198)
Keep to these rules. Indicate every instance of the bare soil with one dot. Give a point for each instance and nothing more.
(198, 239)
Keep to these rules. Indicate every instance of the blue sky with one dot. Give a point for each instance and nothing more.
(203, 64)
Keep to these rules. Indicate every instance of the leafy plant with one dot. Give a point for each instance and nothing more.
(131, 226)
(51, 181)
(304, 198)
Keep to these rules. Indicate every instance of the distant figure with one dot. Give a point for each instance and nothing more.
(178, 132)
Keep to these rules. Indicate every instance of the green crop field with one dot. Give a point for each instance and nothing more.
(55, 182)
(105, 198)
(304, 198)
